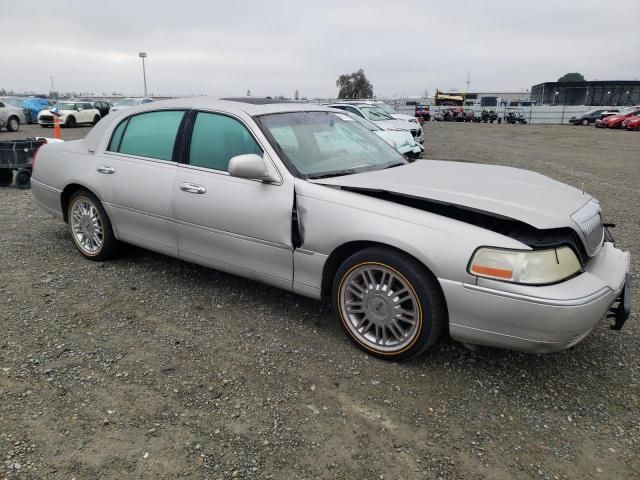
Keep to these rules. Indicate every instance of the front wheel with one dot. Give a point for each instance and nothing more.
(6, 177)
(585, 122)
(90, 227)
(389, 304)
(71, 122)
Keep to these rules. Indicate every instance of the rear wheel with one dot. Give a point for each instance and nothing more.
(13, 124)
(96, 119)
(23, 179)
(6, 177)
(389, 304)
(90, 227)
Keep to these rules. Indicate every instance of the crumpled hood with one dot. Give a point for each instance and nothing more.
(510, 192)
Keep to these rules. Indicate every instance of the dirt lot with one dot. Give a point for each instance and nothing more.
(148, 367)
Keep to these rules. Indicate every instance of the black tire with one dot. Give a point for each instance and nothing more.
(430, 313)
(6, 177)
(109, 245)
(13, 124)
(23, 179)
(71, 122)
(96, 119)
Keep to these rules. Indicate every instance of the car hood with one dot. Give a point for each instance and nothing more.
(402, 116)
(400, 137)
(397, 124)
(509, 192)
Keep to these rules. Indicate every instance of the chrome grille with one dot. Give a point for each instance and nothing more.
(589, 219)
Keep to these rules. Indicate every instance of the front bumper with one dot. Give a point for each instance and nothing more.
(538, 319)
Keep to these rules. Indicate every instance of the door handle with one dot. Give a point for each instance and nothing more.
(106, 169)
(192, 188)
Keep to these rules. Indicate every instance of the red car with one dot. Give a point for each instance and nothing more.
(632, 123)
(615, 121)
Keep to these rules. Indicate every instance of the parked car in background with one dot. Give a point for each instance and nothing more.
(305, 199)
(401, 140)
(31, 106)
(71, 114)
(11, 117)
(615, 121)
(422, 111)
(591, 116)
(390, 111)
(129, 102)
(101, 105)
(632, 123)
(381, 118)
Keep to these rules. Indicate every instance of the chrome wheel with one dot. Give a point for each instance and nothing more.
(86, 226)
(380, 308)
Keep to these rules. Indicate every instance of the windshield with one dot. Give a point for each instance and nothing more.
(325, 144)
(127, 102)
(374, 113)
(386, 108)
(65, 106)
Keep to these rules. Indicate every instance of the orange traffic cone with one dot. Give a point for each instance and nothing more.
(57, 131)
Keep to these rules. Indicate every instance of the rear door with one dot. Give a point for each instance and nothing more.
(232, 224)
(138, 170)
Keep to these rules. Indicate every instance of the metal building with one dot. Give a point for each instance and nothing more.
(596, 92)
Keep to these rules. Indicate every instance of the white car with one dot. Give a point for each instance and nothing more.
(399, 139)
(71, 114)
(381, 118)
(11, 117)
(129, 102)
(390, 111)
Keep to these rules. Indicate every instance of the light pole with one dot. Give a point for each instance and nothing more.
(143, 55)
(555, 96)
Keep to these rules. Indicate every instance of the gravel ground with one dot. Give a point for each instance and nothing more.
(148, 367)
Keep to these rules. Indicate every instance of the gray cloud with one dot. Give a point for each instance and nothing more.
(276, 47)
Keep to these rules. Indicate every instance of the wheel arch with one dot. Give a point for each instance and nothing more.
(66, 194)
(344, 251)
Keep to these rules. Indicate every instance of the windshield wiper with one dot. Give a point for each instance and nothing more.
(337, 173)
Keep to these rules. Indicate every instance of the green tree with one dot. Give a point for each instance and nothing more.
(572, 77)
(354, 85)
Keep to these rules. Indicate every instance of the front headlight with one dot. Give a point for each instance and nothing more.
(531, 267)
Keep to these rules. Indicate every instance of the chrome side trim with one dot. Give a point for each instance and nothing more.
(542, 342)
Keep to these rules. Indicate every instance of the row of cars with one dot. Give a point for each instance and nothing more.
(403, 132)
(15, 111)
(628, 118)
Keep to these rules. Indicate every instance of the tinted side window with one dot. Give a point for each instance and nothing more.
(116, 138)
(150, 134)
(218, 138)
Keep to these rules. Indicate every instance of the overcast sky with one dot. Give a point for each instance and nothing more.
(275, 47)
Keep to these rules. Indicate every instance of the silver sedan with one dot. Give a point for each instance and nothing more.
(304, 198)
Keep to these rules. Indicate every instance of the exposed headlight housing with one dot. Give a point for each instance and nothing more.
(529, 267)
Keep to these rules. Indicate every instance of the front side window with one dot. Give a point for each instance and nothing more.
(150, 134)
(327, 143)
(216, 139)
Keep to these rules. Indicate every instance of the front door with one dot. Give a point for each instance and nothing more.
(234, 224)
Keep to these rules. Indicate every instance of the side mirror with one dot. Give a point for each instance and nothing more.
(251, 166)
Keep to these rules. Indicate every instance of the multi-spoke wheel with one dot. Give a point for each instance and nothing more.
(389, 304)
(89, 226)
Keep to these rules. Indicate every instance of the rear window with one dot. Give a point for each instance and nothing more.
(151, 135)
